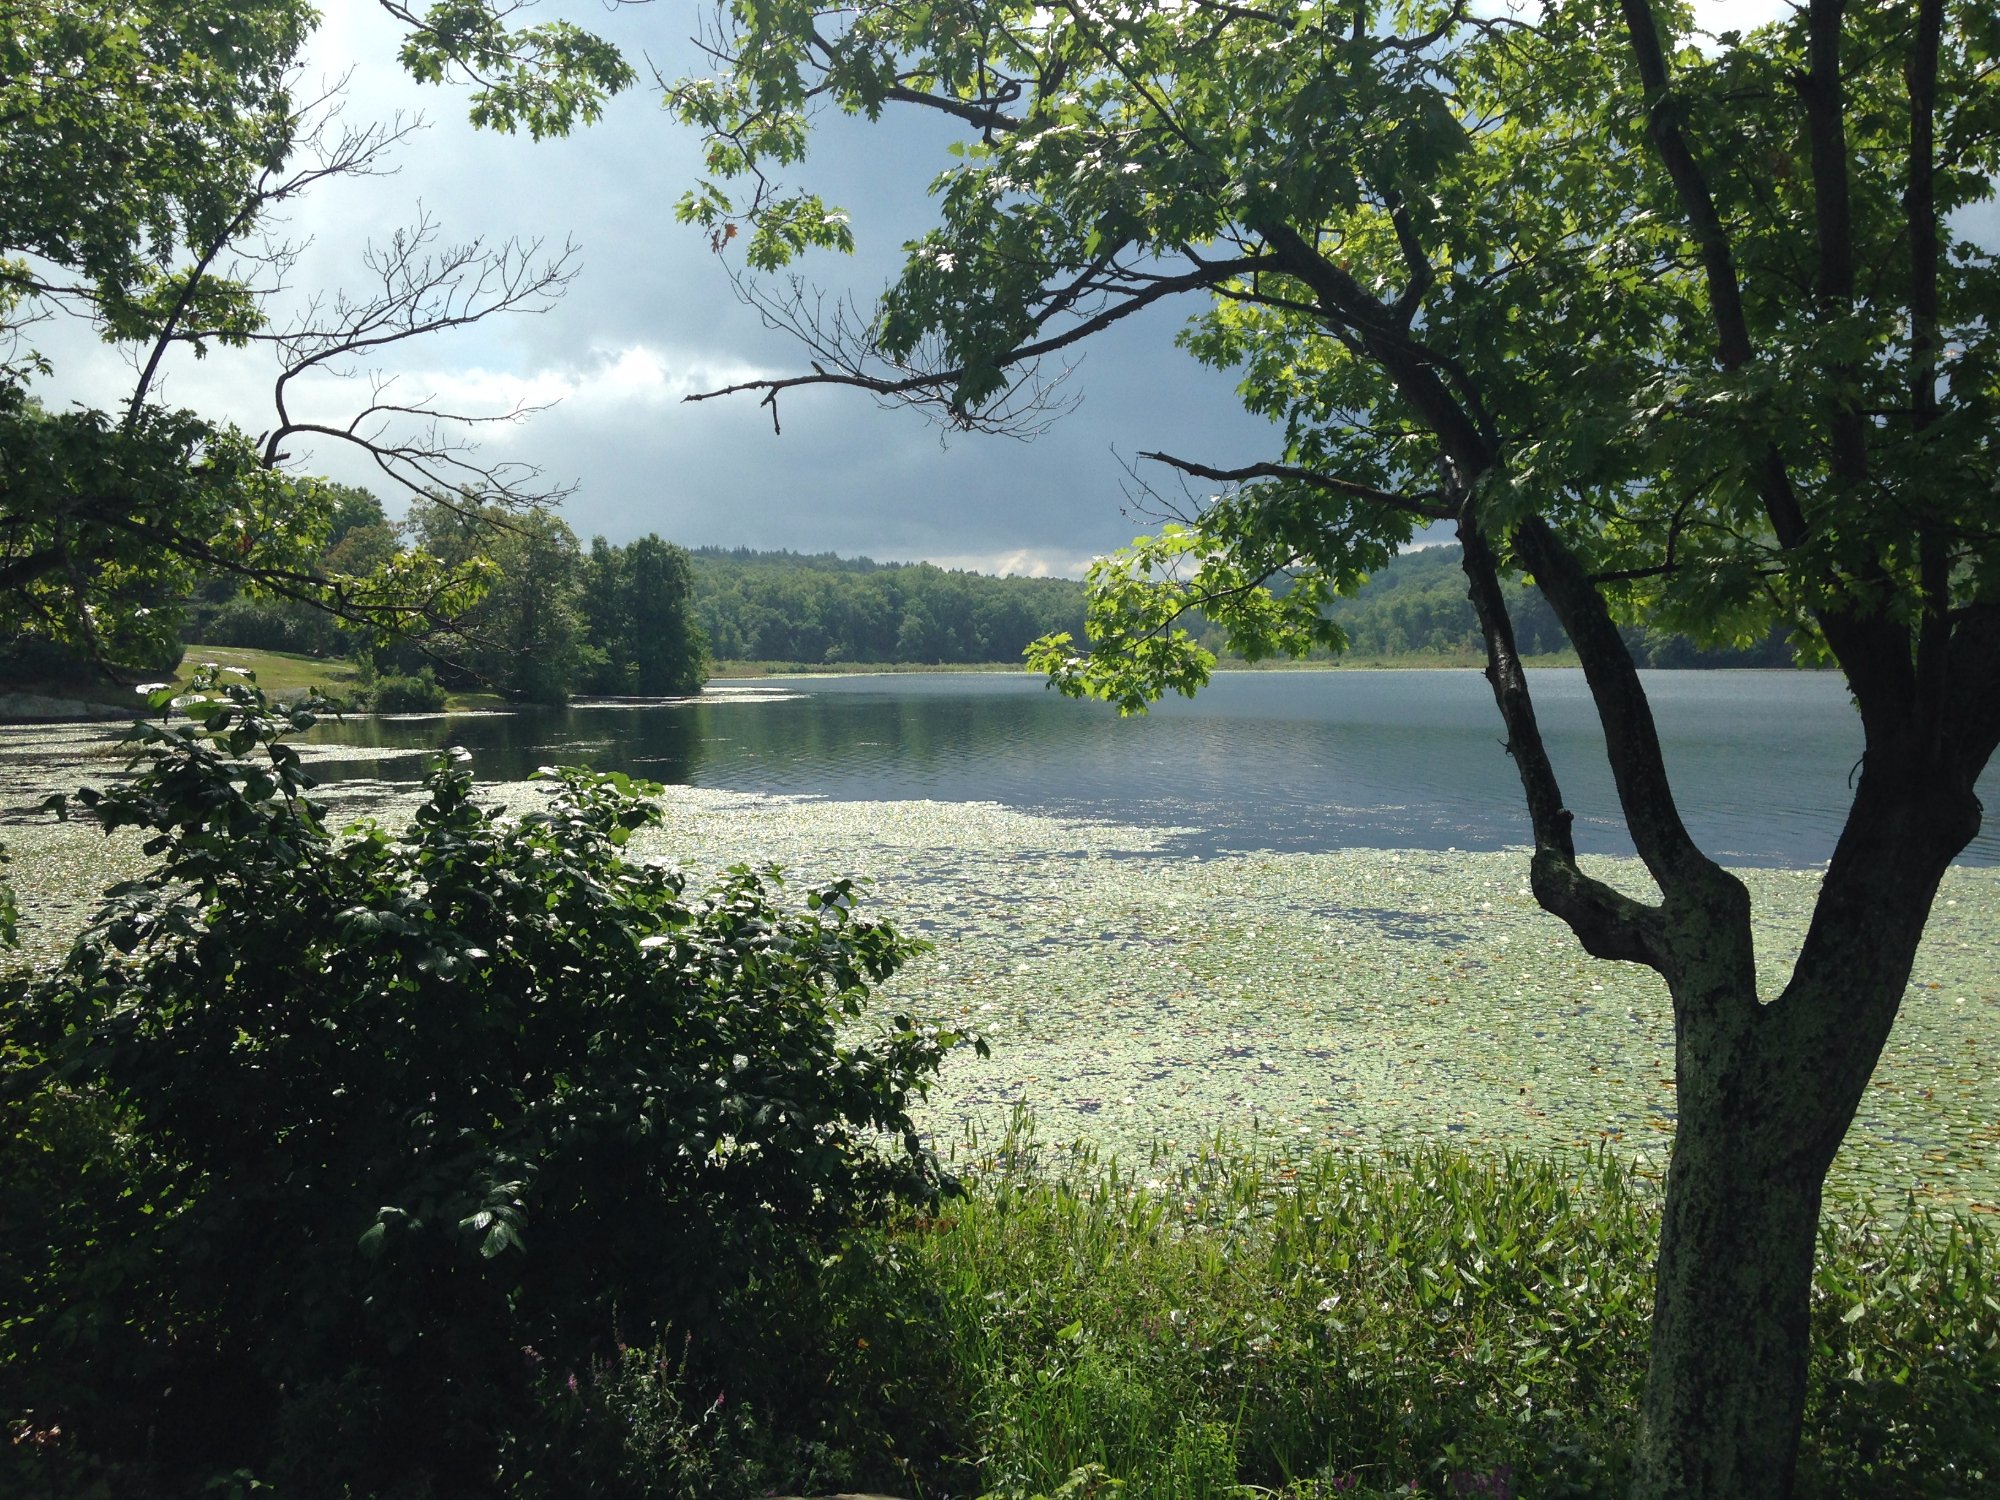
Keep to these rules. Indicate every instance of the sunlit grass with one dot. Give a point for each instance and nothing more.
(282, 673)
(1351, 1323)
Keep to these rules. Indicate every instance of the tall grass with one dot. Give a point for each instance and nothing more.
(1332, 1328)
(1456, 1324)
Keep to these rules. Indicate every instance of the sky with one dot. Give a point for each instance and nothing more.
(651, 317)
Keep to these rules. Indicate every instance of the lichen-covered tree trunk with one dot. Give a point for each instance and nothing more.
(1725, 1388)
(1766, 1094)
(1767, 1089)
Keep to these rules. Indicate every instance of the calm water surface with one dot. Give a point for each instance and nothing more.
(1261, 760)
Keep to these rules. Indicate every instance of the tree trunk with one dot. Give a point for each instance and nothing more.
(1766, 1094)
(1725, 1389)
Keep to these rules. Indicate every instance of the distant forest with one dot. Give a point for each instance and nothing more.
(648, 617)
(819, 608)
(1417, 606)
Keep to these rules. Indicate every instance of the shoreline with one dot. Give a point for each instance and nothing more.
(732, 671)
(46, 703)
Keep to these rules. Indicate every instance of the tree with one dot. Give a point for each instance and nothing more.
(525, 636)
(1684, 332)
(638, 601)
(145, 151)
(785, 607)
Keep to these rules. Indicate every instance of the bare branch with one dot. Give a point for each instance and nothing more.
(983, 113)
(846, 352)
(419, 289)
(1429, 507)
(334, 150)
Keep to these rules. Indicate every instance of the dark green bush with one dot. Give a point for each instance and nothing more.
(266, 625)
(422, 1114)
(415, 693)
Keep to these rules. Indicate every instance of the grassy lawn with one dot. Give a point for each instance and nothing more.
(282, 673)
(279, 672)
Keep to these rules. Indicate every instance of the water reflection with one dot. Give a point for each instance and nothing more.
(658, 742)
(1281, 761)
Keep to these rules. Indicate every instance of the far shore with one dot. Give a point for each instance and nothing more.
(281, 672)
(725, 671)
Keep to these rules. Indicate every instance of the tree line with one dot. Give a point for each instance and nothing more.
(549, 618)
(645, 618)
(793, 607)
(1417, 606)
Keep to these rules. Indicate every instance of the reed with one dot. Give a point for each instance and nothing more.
(1438, 1320)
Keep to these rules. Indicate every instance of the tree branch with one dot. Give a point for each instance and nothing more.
(933, 384)
(1873, 650)
(1345, 300)
(1608, 923)
(1934, 643)
(1631, 741)
(1974, 671)
(1423, 275)
(418, 293)
(1725, 294)
(1431, 507)
(986, 115)
(1833, 220)
(354, 152)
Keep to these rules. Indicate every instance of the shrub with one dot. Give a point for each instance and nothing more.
(266, 625)
(430, 1111)
(416, 693)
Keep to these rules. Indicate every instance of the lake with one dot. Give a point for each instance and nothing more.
(1283, 761)
(1239, 916)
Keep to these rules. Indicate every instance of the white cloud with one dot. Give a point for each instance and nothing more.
(612, 382)
(485, 393)
(1739, 15)
(642, 373)
(1024, 561)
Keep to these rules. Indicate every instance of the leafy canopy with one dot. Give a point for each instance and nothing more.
(129, 132)
(146, 151)
(1444, 255)
(110, 526)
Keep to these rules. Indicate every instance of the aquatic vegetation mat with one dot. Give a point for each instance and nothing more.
(1135, 997)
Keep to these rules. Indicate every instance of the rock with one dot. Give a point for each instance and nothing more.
(34, 708)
